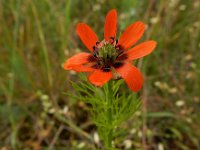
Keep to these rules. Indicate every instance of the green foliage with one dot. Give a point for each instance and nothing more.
(108, 105)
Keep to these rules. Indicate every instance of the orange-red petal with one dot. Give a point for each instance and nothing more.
(87, 35)
(131, 75)
(99, 77)
(110, 27)
(131, 35)
(82, 68)
(141, 50)
(78, 59)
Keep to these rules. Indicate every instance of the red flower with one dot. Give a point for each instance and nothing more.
(110, 56)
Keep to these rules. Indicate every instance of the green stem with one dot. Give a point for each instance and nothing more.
(109, 140)
(109, 116)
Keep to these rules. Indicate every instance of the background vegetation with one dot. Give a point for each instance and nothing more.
(36, 36)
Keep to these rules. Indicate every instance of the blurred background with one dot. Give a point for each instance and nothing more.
(36, 37)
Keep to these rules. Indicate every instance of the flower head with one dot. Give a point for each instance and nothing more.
(111, 57)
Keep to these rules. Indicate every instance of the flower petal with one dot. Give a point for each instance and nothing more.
(110, 27)
(100, 77)
(131, 35)
(82, 68)
(78, 59)
(131, 75)
(87, 35)
(141, 50)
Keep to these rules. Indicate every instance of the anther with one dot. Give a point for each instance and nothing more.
(116, 41)
(95, 53)
(94, 48)
(97, 43)
(112, 39)
(106, 68)
(119, 51)
(117, 47)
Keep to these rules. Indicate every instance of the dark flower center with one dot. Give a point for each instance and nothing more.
(106, 53)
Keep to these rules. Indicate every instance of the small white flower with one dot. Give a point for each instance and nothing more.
(182, 7)
(127, 144)
(65, 109)
(160, 146)
(133, 131)
(154, 20)
(96, 137)
(180, 103)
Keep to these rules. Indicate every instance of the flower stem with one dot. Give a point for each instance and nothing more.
(109, 140)
(109, 116)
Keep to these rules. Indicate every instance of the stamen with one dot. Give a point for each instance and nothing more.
(97, 43)
(118, 47)
(118, 65)
(122, 57)
(113, 39)
(95, 54)
(116, 41)
(120, 52)
(107, 53)
(91, 58)
(96, 66)
(106, 68)
(94, 48)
